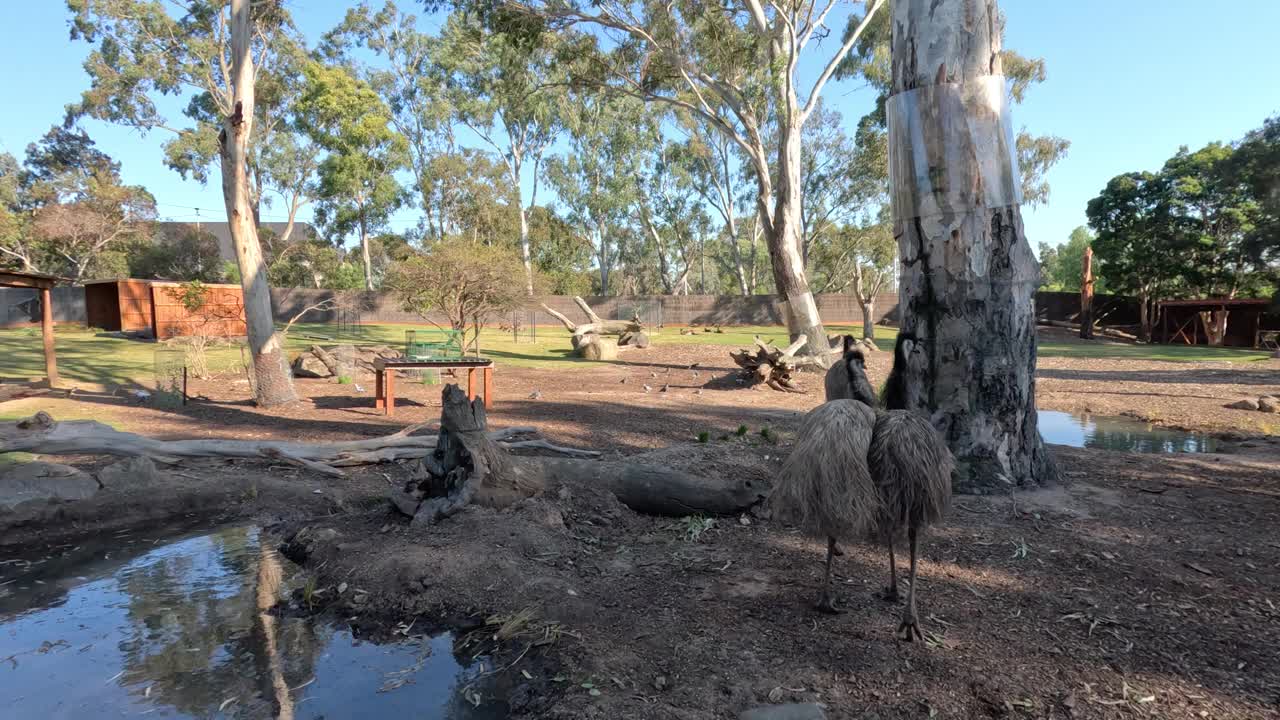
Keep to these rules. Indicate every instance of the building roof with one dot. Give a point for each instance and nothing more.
(13, 278)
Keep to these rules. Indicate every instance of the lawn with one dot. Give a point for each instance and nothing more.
(91, 358)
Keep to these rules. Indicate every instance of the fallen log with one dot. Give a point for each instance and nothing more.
(584, 333)
(467, 466)
(43, 435)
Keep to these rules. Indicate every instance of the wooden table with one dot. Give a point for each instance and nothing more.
(385, 394)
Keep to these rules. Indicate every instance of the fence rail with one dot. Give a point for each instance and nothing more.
(22, 307)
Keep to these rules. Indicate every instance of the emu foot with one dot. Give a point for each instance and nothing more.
(890, 594)
(909, 628)
(827, 604)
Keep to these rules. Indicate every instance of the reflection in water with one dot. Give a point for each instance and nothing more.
(1107, 432)
(186, 630)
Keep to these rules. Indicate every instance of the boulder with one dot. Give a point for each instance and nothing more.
(1268, 404)
(130, 472)
(1246, 404)
(599, 349)
(40, 481)
(634, 339)
(308, 365)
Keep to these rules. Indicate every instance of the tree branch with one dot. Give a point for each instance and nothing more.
(830, 70)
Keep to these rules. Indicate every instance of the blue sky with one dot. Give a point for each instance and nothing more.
(1129, 81)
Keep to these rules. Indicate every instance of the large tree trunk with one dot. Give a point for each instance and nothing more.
(784, 252)
(368, 260)
(273, 384)
(868, 316)
(968, 274)
(1215, 326)
(1145, 317)
(1086, 295)
(524, 251)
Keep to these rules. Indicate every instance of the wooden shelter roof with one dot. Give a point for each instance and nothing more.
(12, 278)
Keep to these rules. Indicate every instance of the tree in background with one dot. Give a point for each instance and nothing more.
(469, 284)
(81, 209)
(358, 190)
(1135, 247)
(1061, 266)
(506, 89)
(17, 247)
(1210, 205)
(178, 253)
(208, 50)
(861, 258)
(737, 68)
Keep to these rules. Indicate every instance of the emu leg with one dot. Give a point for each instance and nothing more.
(910, 622)
(891, 592)
(826, 601)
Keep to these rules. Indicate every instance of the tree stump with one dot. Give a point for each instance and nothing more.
(770, 366)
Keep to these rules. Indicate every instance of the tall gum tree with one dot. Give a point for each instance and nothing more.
(968, 275)
(214, 54)
(735, 65)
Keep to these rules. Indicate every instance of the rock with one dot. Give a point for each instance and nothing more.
(599, 349)
(130, 472)
(634, 339)
(1246, 404)
(790, 711)
(1268, 404)
(307, 365)
(40, 481)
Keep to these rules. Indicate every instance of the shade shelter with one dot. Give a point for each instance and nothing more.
(1250, 322)
(43, 283)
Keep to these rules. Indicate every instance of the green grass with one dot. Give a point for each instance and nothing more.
(86, 357)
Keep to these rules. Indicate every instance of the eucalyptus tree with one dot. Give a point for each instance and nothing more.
(968, 276)
(736, 65)
(358, 190)
(713, 166)
(215, 54)
(412, 83)
(595, 179)
(507, 89)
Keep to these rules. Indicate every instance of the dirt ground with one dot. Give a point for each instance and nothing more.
(1144, 586)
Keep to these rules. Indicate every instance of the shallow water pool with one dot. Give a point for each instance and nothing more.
(177, 629)
(1112, 432)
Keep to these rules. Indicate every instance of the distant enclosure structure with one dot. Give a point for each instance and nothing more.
(118, 305)
(1249, 321)
(158, 307)
(44, 285)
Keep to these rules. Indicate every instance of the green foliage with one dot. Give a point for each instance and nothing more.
(693, 527)
(1062, 267)
(704, 437)
(179, 253)
(191, 295)
(466, 282)
(357, 191)
(345, 380)
(741, 431)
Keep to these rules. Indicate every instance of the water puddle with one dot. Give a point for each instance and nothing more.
(174, 629)
(1110, 432)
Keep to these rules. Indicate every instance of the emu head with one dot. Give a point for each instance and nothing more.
(855, 364)
(908, 352)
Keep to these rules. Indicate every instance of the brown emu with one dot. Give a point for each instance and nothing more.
(825, 486)
(908, 463)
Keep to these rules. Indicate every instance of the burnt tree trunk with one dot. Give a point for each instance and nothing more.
(467, 466)
(1086, 295)
(968, 274)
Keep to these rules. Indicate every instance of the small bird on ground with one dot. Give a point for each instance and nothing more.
(695, 374)
(535, 395)
(665, 387)
(653, 374)
(623, 381)
(647, 388)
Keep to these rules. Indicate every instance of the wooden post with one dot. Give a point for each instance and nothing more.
(379, 394)
(471, 383)
(390, 384)
(46, 329)
(1086, 295)
(488, 387)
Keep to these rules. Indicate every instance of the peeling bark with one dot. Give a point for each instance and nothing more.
(968, 274)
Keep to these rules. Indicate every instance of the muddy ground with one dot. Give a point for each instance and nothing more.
(1144, 586)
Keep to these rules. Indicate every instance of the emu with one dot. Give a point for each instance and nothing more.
(857, 471)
